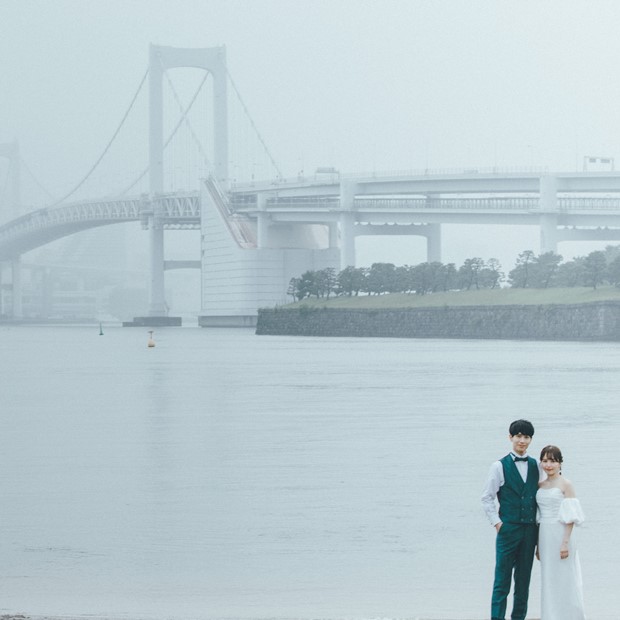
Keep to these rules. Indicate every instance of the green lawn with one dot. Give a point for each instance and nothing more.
(504, 296)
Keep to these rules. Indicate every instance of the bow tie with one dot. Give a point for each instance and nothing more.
(520, 458)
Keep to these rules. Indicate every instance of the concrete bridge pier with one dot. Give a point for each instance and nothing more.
(157, 301)
(433, 243)
(548, 193)
(346, 224)
(347, 240)
(16, 274)
(262, 222)
(332, 228)
(433, 231)
(157, 315)
(548, 233)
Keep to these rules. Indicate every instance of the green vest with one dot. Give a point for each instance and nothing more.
(517, 499)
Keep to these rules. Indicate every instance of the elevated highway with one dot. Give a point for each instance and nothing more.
(37, 228)
(379, 205)
(255, 236)
(565, 206)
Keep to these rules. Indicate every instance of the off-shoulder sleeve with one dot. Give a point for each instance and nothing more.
(570, 511)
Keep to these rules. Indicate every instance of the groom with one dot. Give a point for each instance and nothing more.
(513, 482)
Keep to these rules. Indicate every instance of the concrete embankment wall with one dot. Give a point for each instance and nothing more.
(589, 321)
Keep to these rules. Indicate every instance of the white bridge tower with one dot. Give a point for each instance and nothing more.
(162, 58)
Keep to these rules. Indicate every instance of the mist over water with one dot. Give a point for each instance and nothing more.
(222, 474)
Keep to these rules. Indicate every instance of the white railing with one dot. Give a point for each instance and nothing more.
(182, 210)
(589, 203)
(495, 204)
(410, 204)
(309, 202)
(237, 225)
(443, 204)
(442, 172)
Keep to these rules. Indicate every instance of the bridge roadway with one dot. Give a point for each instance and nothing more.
(37, 228)
(580, 205)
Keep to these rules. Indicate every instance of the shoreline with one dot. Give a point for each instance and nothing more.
(95, 617)
(592, 321)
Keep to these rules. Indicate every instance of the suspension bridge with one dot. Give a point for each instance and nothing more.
(257, 234)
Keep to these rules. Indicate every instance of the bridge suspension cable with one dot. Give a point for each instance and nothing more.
(107, 148)
(35, 179)
(184, 113)
(253, 124)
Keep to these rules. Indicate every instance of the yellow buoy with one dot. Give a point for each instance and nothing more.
(151, 343)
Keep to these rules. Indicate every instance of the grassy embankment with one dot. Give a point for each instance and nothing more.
(486, 297)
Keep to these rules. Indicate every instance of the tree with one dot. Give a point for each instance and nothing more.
(420, 278)
(447, 276)
(351, 280)
(435, 275)
(595, 269)
(381, 278)
(469, 273)
(325, 282)
(307, 285)
(402, 281)
(611, 253)
(570, 273)
(406, 277)
(613, 271)
(544, 268)
(519, 276)
(491, 275)
(293, 289)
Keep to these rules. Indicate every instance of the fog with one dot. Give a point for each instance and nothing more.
(362, 86)
(251, 441)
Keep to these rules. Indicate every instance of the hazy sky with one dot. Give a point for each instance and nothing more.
(360, 85)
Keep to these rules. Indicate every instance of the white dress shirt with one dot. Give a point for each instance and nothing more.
(495, 481)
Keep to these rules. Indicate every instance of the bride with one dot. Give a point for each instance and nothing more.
(558, 511)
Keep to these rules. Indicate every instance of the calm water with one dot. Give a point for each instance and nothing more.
(225, 475)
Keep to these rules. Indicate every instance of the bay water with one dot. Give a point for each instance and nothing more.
(222, 474)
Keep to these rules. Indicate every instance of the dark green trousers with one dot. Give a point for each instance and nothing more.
(514, 554)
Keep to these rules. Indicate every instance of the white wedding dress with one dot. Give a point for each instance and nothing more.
(562, 590)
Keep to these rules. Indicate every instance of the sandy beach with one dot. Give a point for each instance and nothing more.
(90, 617)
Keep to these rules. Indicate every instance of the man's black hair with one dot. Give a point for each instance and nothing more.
(525, 427)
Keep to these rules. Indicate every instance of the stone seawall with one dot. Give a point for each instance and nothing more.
(588, 321)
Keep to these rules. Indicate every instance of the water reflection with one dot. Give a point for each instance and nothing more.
(222, 474)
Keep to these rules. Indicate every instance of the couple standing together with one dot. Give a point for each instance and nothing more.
(536, 515)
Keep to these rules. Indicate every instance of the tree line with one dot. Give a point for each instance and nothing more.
(530, 271)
